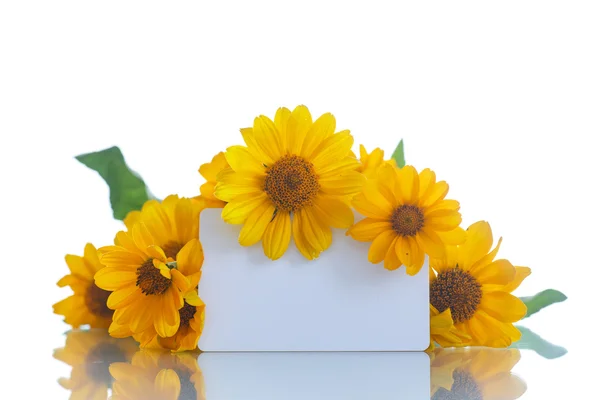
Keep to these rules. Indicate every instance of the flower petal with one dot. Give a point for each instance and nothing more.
(241, 160)
(278, 234)
(322, 128)
(380, 246)
(368, 229)
(298, 125)
(256, 224)
(499, 272)
(238, 210)
(333, 212)
(503, 306)
(408, 180)
(190, 258)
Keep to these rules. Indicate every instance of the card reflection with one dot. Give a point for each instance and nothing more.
(104, 367)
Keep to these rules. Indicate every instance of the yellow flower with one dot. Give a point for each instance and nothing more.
(172, 222)
(87, 305)
(292, 167)
(477, 373)
(407, 217)
(210, 171)
(371, 162)
(158, 375)
(443, 331)
(190, 328)
(147, 285)
(477, 289)
(89, 353)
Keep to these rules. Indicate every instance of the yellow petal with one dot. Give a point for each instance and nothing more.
(347, 184)
(380, 246)
(267, 137)
(156, 253)
(391, 260)
(487, 259)
(333, 149)
(478, 244)
(436, 192)
(193, 299)
(333, 212)
(303, 247)
(426, 181)
(445, 223)
(180, 280)
(315, 234)
(256, 224)
(408, 182)
(368, 229)
(190, 258)
(282, 117)
(240, 160)
(499, 272)
(142, 237)
(521, 274)
(123, 297)
(411, 255)
(299, 123)
(78, 266)
(238, 210)
(186, 220)
(431, 243)
(323, 127)
(373, 195)
(231, 184)
(113, 278)
(277, 236)
(331, 170)
(368, 209)
(503, 306)
(454, 237)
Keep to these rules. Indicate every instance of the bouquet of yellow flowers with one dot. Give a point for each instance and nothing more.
(294, 179)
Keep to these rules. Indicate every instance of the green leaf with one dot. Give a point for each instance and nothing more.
(398, 154)
(542, 300)
(531, 341)
(128, 191)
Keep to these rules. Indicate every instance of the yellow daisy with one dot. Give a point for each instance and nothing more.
(209, 171)
(186, 338)
(407, 217)
(172, 222)
(478, 373)
(371, 162)
(443, 331)
(292, 178)
(147, 285)
(477, 289)
(87, 305)
(158, 375)
(89, 353)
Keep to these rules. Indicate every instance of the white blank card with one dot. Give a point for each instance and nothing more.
(339, 302)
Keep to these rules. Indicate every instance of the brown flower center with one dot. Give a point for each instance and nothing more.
(171, 249)
(186, 313)
(150, 280)
(407, 220)
(291, 183)
(458, 290)
(95, 300)
(465, 387)
(99, 359)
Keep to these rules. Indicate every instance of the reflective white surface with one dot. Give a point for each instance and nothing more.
(93, 365)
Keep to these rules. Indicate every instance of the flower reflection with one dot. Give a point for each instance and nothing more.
(154, 374)
(90, 352)
(475, 374)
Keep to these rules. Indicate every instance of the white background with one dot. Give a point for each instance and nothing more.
(501, 99)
